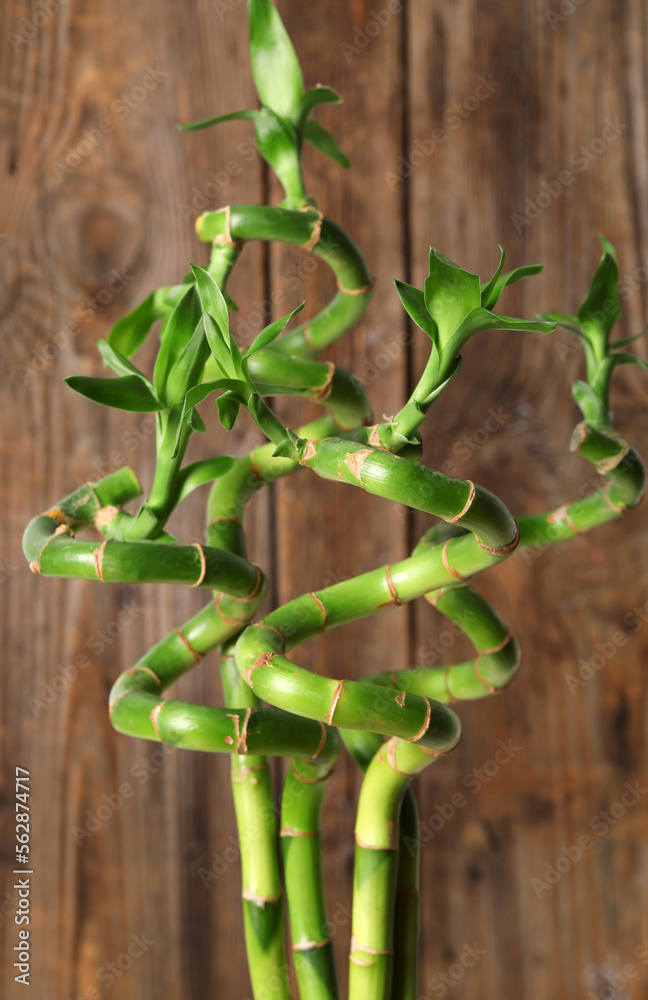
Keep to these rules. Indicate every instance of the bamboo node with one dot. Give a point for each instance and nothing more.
(496, 649)
(562, 515)
(203, 565)
(336, 697)
(309, 452)
(288, 831)
(424, 728)
(489, 687)
(155, 718)
(221, 614)
(261, 901)
(257, 588)
(444, 558)
(241, 743)
(194, 652)
(321, 607)
(316, 234)
(105, 516)
(467, 505)
(355, 291)
(97, 556)
(321, 744)
(322, 392)
(501, 550)
(307, 945)
(354, 461)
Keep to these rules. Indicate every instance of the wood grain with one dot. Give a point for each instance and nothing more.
(515, 91)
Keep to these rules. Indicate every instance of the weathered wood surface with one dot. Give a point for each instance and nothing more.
(517, 90)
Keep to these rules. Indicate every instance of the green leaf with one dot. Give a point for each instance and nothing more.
(501, 281)
(451, 294)
(130, 332)
(116, 361)
(212, 299)
(129, 392)
(271, 332)
(625, 358)
(488, 287)
(629, 340)
(413, 302)
(198, 473)
(228, 410)
(601, 308)
(325, 142)
(279, 146)
(275, 67)
(312, 99)
(483, 319)
(178, 333)
(220, 350)
(591, 405)
(200, 392)
(568, 322)
(206, 122)
(439, 388)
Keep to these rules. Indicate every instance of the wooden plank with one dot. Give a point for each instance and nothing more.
(548, 87)
(127, 203)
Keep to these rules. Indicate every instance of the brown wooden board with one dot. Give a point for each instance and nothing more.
(544, 83)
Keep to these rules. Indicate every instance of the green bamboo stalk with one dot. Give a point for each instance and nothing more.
(312, 231)
(251, 782)
(301, 809)
(262, 892)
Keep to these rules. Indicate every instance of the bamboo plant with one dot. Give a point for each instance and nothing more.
(396, 723)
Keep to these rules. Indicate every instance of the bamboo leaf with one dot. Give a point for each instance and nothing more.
(212, 299)
(439, 388)
(279, 146)
(130, 332)
(271, 332)
(509, 278)
(228, 410)
(451, 294)
(178, 333)
(629, 340)
(312, 99)
(601, 307)
(625, 358)
(117, 363)
(128, 392)
(198, 473)
(220, 350)
(206, 122)
(568, 322)
(488, 287)
(325, 142)
(200, 392)
(413, 302)
(275, 67)
(591, 405)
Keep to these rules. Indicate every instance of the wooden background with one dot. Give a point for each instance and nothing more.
(126, 207)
